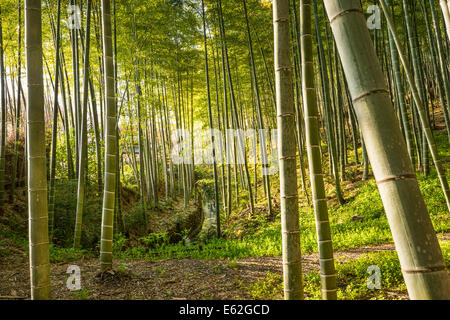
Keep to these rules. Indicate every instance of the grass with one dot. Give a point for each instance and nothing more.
(82, 294)
(58, 254)
(268, 288)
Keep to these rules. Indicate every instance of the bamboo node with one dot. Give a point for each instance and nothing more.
(424, 269)
(342, 13)
(375, 91)
(289, 196)
(291, 262)
(288, 158)
(291, 232)
(396, 178)
(288, 114)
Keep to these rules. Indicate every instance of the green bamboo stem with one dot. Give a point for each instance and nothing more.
(37, 166)
(416, 243)
(292, 266)
(327, 270)
(109, 188)
(417, 72)
(327, 109)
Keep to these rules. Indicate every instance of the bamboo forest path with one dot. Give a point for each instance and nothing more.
(166, 279)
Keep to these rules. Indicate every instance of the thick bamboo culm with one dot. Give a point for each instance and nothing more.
(292, 264)
(110, 144)
(37, 160)
(415, 240)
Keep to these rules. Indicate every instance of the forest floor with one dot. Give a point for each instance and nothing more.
(170, 279)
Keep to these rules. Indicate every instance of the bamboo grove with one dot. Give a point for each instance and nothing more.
(101, 93)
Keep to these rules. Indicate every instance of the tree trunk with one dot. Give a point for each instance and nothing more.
(292, 265)
(109, 188)
(420, 256)
(37, 166)
(327, 270)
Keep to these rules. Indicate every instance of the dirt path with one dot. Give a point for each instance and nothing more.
(166, 279)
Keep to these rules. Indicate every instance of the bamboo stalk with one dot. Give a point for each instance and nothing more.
(37, 166)
(109, 188)
(292, 265)
(327, 270)
(420, 256)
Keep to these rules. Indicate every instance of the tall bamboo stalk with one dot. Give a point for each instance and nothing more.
(37, 166)
(241, 143)
(292, 265)
(420, 256)
(333, 158)
(110, 143)
(417, 72)
(327, 270)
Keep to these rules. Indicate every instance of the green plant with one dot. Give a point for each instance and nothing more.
(134, 220)
(155, 240)
(120, 242)
(82, 294)
(161, 272)
(270, 287)
(58, 254)
(233, 264)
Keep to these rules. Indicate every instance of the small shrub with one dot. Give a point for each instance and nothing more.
(134, 220)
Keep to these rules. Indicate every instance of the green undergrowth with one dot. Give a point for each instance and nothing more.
(361, 221)
(58, 254)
